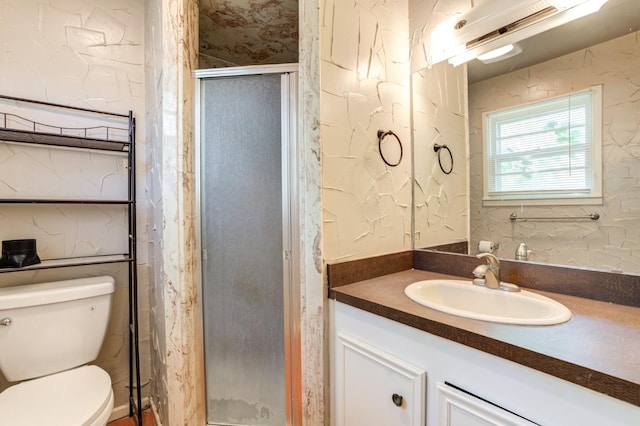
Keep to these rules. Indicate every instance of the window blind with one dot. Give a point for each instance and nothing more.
(542, 149)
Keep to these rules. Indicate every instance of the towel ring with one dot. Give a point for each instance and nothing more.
(381, 135)
(438, 148)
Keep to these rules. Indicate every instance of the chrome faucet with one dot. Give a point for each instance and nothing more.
(492, 274)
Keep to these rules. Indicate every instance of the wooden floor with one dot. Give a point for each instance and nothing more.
(147, 420)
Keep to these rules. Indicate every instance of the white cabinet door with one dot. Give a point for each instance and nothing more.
(375, 388)
(457, 408)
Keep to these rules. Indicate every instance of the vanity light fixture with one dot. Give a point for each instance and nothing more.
(501, 53)
(494, 24)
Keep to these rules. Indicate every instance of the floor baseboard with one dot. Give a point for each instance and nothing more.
(123, 410)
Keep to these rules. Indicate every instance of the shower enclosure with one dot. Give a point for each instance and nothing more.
(247, 196)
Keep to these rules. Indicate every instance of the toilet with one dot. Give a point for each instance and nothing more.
(48, 334)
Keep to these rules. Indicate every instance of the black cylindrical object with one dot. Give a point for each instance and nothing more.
(19, 253)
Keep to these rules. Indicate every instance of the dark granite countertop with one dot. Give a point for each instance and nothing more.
(599, 348)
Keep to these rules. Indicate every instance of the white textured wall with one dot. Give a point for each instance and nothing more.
(439, 105)
(154, 124)
(171, 56)
(613, 242)
(364, 88)
(85, 53)
(441, 201)
(312, 295)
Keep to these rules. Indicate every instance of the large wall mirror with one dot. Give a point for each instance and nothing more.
(450, 105)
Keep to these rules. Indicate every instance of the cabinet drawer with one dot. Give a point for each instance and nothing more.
(460, 408)
(373, 387)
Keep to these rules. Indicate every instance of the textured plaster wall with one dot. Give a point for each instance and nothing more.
(248, 32)
(613, 242)
(439, 102)
(153, 139)
(313, 313)
(364, 88)
(424, 16)
(85, 53)
(171, 56)
(441, 201)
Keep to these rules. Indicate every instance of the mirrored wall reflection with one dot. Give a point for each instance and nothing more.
(610, 243)
(613, 241)
(440, 176)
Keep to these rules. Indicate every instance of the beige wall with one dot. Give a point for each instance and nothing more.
(613, 242)
(441, 200)
(424, 16)
(364, 88)
(439, 108)
(313, 312)
(154, 123)
(176, 389)
(85, 53)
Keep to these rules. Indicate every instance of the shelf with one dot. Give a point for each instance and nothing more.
(110, 132)
(39, 138)
(60, 201)
(73, 261)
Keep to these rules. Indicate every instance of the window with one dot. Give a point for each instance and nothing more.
(544, 153)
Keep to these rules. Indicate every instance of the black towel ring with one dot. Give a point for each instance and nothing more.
(381, 135)
(438, 148)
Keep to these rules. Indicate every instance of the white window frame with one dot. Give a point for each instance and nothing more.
(593, 197)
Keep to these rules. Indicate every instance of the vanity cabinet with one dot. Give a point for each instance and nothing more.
(487, 390)
(376, 387)
(459, 408)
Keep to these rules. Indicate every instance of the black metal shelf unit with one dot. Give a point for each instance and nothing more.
(14, 128)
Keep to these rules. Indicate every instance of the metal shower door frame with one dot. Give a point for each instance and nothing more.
(290, 215)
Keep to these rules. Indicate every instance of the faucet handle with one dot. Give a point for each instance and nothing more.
(480, 271)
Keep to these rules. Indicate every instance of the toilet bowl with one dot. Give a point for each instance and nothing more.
(49, 332)
(81, 396)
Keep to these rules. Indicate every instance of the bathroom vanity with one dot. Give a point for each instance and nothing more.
(451, 370)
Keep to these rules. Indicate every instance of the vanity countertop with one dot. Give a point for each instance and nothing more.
(599, 348)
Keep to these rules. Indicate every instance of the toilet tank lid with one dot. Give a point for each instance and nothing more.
(22, 296)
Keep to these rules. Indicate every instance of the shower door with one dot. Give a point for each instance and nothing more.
(246, 144)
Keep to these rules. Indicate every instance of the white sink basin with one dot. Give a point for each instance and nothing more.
(464, 299)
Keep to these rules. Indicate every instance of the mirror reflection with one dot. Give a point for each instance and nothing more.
(451, 105)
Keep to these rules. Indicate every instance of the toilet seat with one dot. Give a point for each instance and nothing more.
(78, 397)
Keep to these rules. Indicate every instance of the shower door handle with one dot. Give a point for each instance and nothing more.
(5, 322)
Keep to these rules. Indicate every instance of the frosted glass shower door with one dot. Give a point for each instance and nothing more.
(244, 235)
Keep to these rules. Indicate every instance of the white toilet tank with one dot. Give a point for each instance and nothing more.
(54, 326)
